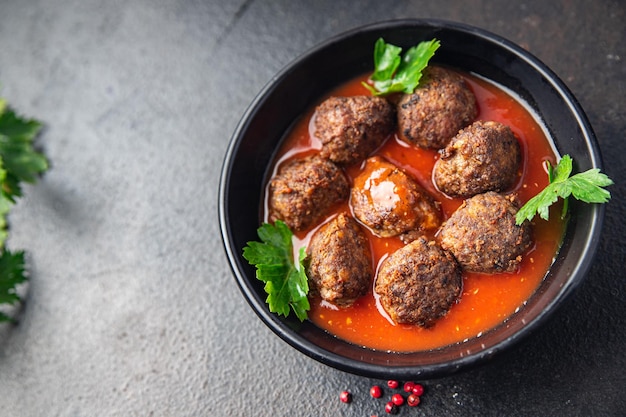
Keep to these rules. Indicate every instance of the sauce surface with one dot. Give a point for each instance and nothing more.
(487, 300)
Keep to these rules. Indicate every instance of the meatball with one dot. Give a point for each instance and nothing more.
(390, 202)
(418, 283)
(304, 189)
(440, 106)
(484, 156)
(350, 128)
(340, 267)
(482, 234)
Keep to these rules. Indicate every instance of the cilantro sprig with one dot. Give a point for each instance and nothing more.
(285, 278)
(585, 186)
(394, 73)
(19, 162)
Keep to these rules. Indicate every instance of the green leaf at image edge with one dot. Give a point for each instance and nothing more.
(19, 162)
(12, 273)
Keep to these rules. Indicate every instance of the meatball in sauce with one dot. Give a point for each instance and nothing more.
(418, 283)
(440, 106)
(304, 189)
(350, 128)
(482, 234)
(340, 262)
(390, 202)
(484, 156)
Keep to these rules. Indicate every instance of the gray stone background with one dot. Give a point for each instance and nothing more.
(131, 309)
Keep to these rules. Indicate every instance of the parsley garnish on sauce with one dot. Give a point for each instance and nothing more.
(19, 162)
(285, 278)
(394, 73)
(585, 186)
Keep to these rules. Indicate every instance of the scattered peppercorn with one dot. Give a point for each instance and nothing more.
(393, 384)
(418, 389)
(397, 399)
(414, 390)
(391, 408)
(413, 400)
(345, 397)
(376, 391)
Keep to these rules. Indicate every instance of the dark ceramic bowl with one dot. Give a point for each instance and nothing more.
(301, 83)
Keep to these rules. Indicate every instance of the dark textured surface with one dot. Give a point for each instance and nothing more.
(132, 310)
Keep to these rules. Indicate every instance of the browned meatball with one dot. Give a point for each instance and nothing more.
(418, 283)
(304, 190)
(482, 234)
(340, 266)
(485, 156)
(350, 128)
(440, 106)
(390, 202)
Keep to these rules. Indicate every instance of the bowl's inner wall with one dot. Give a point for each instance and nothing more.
(293, 91)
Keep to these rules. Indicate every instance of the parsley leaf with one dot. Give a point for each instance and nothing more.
(5, 206)
(585, 186)
(286, 282)
(393, 73)
(12, 273)
(19, 162)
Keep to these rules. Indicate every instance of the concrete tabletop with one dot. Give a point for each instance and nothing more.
(131, 308)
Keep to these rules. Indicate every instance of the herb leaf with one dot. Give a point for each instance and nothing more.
(285, 279)
(585, 186)
(386, 60)
(12, 273)
(393, 73)
(19, 162)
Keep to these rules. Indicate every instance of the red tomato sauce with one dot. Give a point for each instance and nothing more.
(487, 300)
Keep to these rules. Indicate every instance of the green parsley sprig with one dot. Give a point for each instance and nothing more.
(19, 162)
(394, 73)
(585, 186)
(286, 283)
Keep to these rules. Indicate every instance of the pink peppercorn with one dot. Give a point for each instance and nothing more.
(376, 391)
(413, 400)
(393, 384)
(397, 399)
(418, 389)
(391, 408)
(345, 397)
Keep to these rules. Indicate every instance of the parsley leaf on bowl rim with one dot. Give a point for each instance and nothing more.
(284, 275)
(585, 186)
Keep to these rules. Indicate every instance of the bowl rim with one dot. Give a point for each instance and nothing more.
(316, 352)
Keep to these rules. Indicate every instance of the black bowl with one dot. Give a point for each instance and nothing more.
(291, 92)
